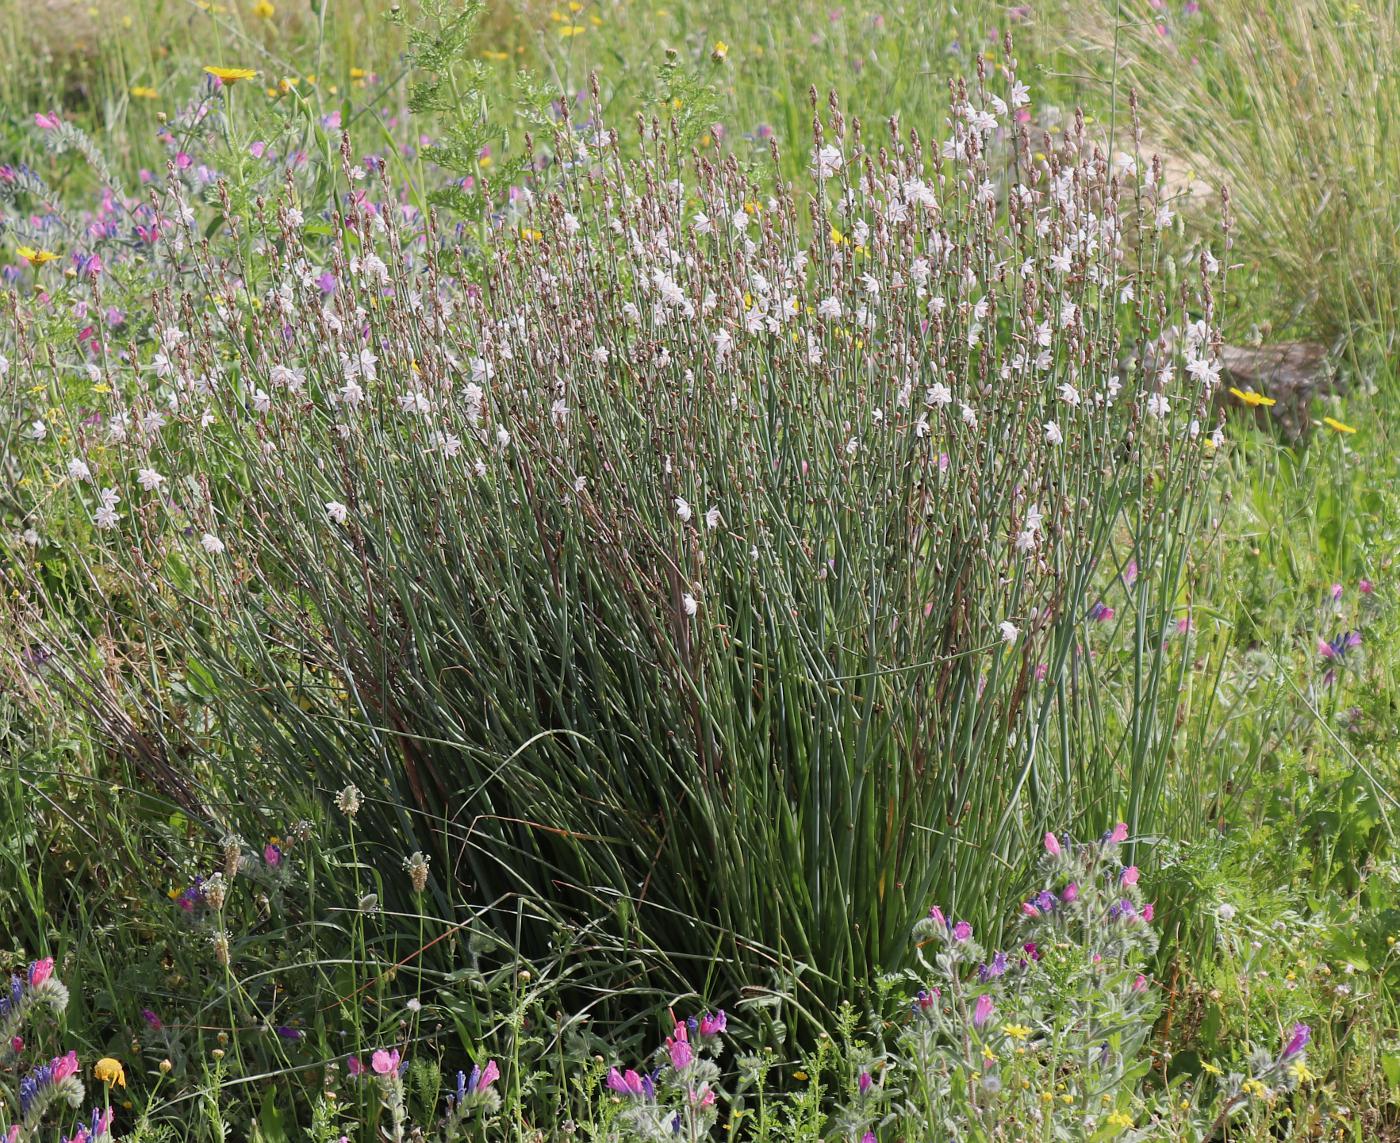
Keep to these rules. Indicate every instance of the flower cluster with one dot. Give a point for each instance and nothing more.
(33, 990)
(990, 1028)
(678, 1098)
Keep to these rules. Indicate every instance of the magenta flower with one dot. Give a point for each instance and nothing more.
(66, 1066)
(864, 1082)
(678, 1046)
(713, 1025)
(1052, 845)
(962, 931)
(385, 1062)
(489, 1075)
(1130, 875)
(628, 1083)
(40, 971)
(1070, 892)
(982, 1011)
(1148, 911)
(49, 122)
(355, 1066)
(1301, 1035)
(1140, 983)
(935, 914)
(1119, 834)
(1366, 587)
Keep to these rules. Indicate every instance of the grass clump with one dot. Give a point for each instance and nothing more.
(714, 555)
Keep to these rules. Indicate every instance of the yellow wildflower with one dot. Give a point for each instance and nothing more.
(1120, 1121)
(721, 52)
(1299, 1071)
(263, 10)
(1252, 399)
(1332, 423)
(230, 75)
(35, 257)
(572, 30)
(1016, 1031)
(1210, 1069)
(109, 1071)
(144, 93)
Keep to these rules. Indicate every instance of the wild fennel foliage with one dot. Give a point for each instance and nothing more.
(722, 593)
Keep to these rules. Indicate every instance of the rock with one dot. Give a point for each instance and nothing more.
(1292, 373)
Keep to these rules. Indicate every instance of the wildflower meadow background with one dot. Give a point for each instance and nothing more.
(629, 570)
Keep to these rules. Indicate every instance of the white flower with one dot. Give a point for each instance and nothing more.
(829, 308)
(828, 161)
(372, 266)
(1052, 433)
(1020, 94)
(337, 511)
(690, 604)
(712, 517)
(1164, 217)
(1226, 913)
(414, 401)
(683, 509)
(969, 416)
(1069, 395)
(149, 479)
(1203, 371)
(211, 543)
(1025, 541)
(107, 517)
(78, 469)
(1158, 405)
(38, 431)
(1009, 631)
(261, 401)
(503, 436)
(939, 395)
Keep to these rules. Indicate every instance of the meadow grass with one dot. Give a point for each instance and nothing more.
(321, 791)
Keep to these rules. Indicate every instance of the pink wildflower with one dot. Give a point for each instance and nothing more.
(40, 971)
